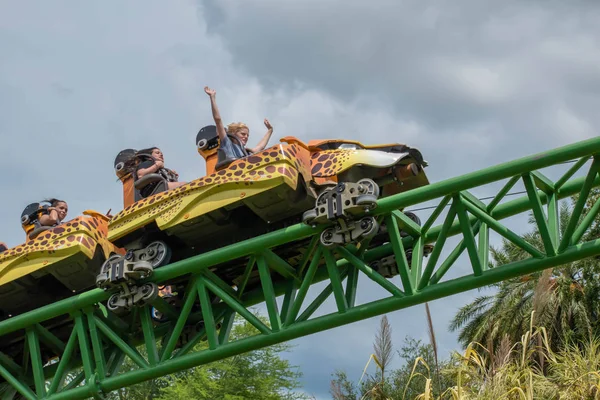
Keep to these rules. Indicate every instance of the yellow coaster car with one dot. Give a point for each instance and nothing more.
(264, 191)
(58, 262)
(291, 182)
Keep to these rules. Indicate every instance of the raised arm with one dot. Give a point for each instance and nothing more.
(215, 112)
(265, 140)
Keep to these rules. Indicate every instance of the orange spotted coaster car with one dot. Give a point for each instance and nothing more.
(351, 177)
(285, 184)
(56, 263)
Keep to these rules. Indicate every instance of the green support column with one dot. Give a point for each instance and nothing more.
(63, 363)
(207, 313)
(267, 284)
(149, 337)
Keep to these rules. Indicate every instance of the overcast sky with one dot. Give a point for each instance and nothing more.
(471, 83)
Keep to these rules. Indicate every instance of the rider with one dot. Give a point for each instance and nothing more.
(151, 161)
(40, 215)
(56, 213)
(236, 148)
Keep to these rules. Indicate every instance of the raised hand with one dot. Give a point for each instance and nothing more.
(268, 124)
(209, 91)
(159, 164)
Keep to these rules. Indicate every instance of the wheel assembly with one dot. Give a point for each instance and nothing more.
(157, 253)
(413, 217)
(344, 205)
(124, 271)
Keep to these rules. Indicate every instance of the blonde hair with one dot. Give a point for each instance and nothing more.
(234, 127)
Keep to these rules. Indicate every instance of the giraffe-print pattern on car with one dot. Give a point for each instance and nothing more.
(290, 162)
(301, 158)
(328, 163)
(84, 233)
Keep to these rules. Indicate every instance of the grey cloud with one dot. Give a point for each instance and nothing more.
(527, 70)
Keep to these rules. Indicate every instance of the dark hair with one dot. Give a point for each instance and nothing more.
(140, 155)
(54, 202)
(145, 152)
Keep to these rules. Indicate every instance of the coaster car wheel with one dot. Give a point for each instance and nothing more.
(157, 253)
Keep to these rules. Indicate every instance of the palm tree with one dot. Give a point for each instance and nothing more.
(564, 299)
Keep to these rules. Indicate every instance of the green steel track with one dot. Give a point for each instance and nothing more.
(99, 341)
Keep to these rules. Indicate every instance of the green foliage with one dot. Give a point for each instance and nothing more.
(419, 361)
(514, 372)
(341, 388)
(147, 390)
(577, 370)
(260, 374)
(510, 372)
(406, 382)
